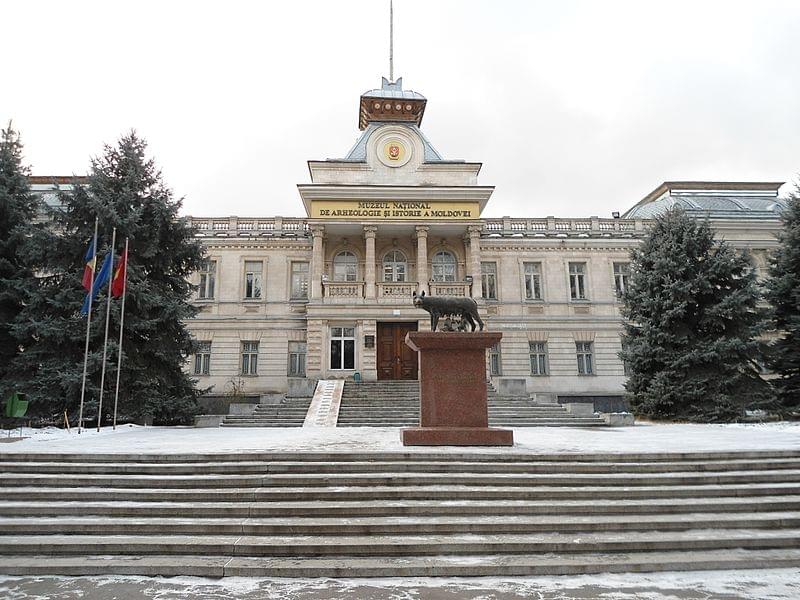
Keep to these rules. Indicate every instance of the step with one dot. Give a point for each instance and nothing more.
(419, 566)
(382, 466)
(246, 508)
(395, 525)
(395, 545)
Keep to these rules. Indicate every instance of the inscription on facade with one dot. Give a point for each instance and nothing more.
(395, 210)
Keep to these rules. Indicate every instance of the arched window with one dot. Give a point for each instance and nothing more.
(394, 266)
(345, 267)
(444, 266)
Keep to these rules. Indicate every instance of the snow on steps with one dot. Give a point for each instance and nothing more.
(351, 514)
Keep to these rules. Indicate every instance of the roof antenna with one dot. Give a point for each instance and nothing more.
(391, 42)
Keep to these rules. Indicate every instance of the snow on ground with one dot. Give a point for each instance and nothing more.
(643, 437)
(773, 584)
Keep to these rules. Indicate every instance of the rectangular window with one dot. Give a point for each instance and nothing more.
(249, 358)
(252, 279)
(343, 348)
(585, 362)
(533, 281)
(299, 280)
(297, 359)
(622, 272)
(577, 281)
(489, 280)
(538, 355)
(202, 358)
(208, 277)
(494, 360)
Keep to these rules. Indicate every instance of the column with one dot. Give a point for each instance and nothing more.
(317, 261)
(422, 258)
(474, 267)
(369, 266)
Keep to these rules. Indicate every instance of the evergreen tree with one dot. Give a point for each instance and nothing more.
(690, 336)
(783, 293)
(124, 190)
(18, 207)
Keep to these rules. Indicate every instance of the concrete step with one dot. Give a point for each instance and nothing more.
(412, 566)
(395, 493)
(374, 480)
(765, 458)
(382, 466)
(245, 508)
(394, 525)
(400, 545)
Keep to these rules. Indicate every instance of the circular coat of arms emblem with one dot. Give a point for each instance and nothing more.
(394, 152)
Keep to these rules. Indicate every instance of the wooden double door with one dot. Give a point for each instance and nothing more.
(395, 359)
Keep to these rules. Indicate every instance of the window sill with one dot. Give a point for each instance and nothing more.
(247, 375)
(534, 300)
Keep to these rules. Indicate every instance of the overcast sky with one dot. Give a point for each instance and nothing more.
(574, 108)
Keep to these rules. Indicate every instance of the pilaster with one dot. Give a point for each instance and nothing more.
(317, 261)
(369, 267)
(422, 257)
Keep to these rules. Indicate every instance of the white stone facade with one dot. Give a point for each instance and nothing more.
(329, 283)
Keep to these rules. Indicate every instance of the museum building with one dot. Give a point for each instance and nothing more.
(284, 301)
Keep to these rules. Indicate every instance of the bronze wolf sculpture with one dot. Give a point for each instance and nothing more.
(465, 308)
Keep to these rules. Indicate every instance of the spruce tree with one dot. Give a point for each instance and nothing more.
(783, 293)
(691, 325)
(18, 207)
(125, 190)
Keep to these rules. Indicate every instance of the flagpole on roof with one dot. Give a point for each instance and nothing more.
(121, 321)
(105, 341)
(88, 328)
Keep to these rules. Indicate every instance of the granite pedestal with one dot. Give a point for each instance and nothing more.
(452, 386)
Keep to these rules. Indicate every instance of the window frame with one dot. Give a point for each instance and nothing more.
(539, 357)
(539, 277)
(341, 340)
(304, 283)
(584, 352)
(496, 360)
(393, 264)
(347, 265)
(577, 281)
(621, 277)
(202, 358)
(258, 277)
(208, 274)
(487, 277)
(248, 349)
(296, 361)
(442, 267)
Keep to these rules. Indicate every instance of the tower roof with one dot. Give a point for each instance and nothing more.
(391, 103)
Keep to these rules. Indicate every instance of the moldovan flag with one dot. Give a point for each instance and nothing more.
(88, 270)
(118, 282)
(99, 281)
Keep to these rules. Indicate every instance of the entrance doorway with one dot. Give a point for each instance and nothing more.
(395, 359)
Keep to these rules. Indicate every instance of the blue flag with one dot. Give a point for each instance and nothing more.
(102, 278)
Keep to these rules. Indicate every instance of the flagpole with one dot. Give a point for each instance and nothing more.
(121, 321)
(88, 329)
(105, 341)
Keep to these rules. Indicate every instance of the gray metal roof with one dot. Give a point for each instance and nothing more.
(359, 150)
(394, 89)
(729, 206)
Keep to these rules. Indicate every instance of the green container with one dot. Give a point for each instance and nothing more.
(16, 405)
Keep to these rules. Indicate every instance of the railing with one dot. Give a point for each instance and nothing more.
(563, 227)
(395, 290)
(343, 290)
(457, 288)
(505, 227)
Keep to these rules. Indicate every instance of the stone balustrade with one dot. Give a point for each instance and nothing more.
(455, 288)
(343, 290)
(505, 227)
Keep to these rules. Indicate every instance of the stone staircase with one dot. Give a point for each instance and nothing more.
(287, 412)
(379, 404)
(542, 410)
(396, 404)
(397, 514)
